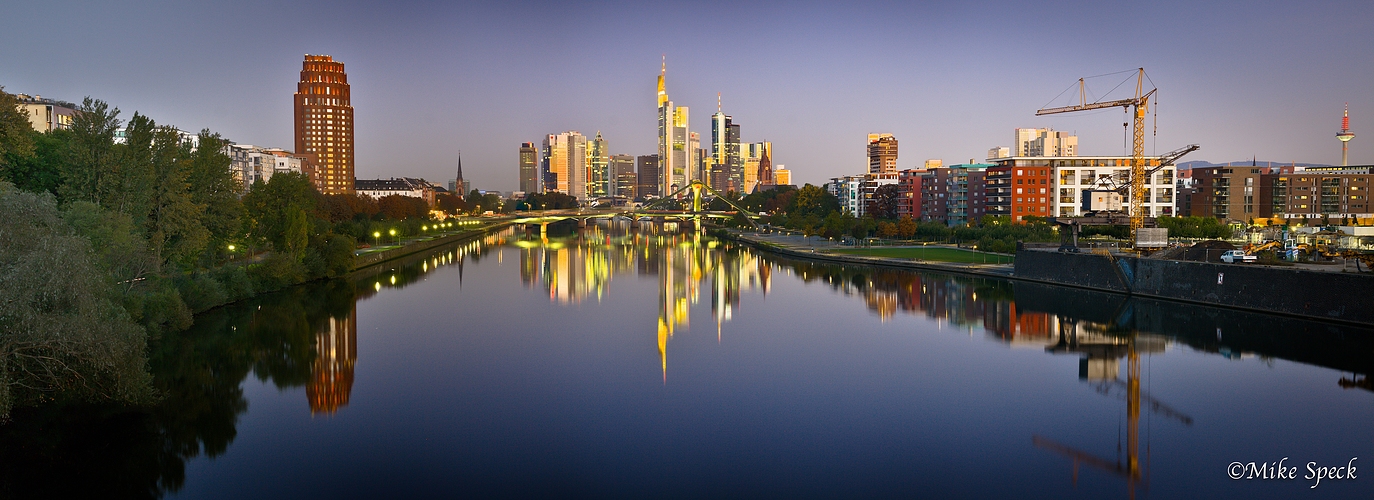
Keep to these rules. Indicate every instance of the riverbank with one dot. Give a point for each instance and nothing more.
(821, 249)
(1326, 296)
(367, 259)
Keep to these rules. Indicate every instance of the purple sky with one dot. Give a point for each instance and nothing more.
(949, 79)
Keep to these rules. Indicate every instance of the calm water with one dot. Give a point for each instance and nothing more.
(657, 364)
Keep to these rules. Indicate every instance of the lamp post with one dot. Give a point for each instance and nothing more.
(377, 238)
(392, 232)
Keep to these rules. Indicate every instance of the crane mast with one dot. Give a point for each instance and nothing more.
(1139, 106)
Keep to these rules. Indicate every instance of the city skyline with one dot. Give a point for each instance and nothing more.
(467, 83)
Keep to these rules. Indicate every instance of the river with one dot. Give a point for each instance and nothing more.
(657, 363)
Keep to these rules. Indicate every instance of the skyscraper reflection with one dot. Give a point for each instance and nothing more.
(331, 377)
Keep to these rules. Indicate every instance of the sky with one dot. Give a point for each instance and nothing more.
(1243, 80)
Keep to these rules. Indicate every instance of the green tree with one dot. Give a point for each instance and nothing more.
(42, 170)
(92, 152)
(813, 200)
(61, 332)
(269, 206)
(213, 186)
(175, 231)
(129, 189)
(16, 141)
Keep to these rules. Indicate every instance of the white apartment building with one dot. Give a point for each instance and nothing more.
(1043, 142)
(1074, 175)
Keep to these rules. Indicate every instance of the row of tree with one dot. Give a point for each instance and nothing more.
(104, 243)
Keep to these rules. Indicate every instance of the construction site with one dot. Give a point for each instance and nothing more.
(1302, 267)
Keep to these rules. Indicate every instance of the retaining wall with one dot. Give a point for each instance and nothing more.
(1345, 297)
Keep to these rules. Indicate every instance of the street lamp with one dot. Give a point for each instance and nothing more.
(392, 232)
(377, 238)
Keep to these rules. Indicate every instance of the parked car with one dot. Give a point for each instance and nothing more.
(1237, 256)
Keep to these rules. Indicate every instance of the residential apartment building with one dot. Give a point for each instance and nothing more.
(1019, 192)
(402, 186)
(882, 154)
(909, 193)
(46, 115)
(1042, 142)
(1070, 177)
(1332, 194)
(1236, 193)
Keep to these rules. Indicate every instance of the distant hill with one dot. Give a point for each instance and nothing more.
(1205, 164)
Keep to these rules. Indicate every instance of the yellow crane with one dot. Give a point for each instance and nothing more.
(1139, 105)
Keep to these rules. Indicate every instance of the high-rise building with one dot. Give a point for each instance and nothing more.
(782, 175)
(599, 176)
(529, 168)
(625, 179)
(882, 154)
(675, 168)
(649, 176)
(567, 160)
(999, 152)
(753, 154)
(1043, 142)
(324, 122)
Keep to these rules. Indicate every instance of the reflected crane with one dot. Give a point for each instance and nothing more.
(1130, 391)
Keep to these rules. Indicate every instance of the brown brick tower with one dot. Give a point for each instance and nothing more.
(324, 122)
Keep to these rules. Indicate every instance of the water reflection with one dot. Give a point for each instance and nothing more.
(574, 264)
(307, 337)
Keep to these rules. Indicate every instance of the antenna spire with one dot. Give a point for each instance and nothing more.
(717, 102)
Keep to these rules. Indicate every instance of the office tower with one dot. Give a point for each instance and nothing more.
(529, 168)
(736, 161)
(882, 154)
(1044, 142)
(567, 159)
(599, 176)
(324, 122)
(675, 169)
(782, 175)
(625, 180)
(695, 157)
(999, 152)
(649, 177)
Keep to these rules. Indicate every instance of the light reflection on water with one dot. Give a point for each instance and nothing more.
(468, 376)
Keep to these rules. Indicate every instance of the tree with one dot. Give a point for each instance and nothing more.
(92, 155)
(397, 207)
(906, 228)
(448, 203)
(175, 231)
(16, 141)
(129, 189)
(61, 333)
(885, 202)
(813, 200)
(270, 206)
(42, 170)
(213, 186)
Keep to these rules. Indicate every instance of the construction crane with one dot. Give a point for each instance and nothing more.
(1140, 104)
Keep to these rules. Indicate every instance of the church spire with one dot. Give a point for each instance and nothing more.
(458, 183)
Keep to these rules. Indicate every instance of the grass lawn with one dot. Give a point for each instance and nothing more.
(944, 254)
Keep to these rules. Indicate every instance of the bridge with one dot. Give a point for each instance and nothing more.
(656, 210)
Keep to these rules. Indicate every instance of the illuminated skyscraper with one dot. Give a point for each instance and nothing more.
(324, 122)
(624, 179)
(529, 168)
(599, 177)
(674, 156)
(567, 158)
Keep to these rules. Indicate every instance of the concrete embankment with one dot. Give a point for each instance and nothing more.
(1344, 297)
(374, 258)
